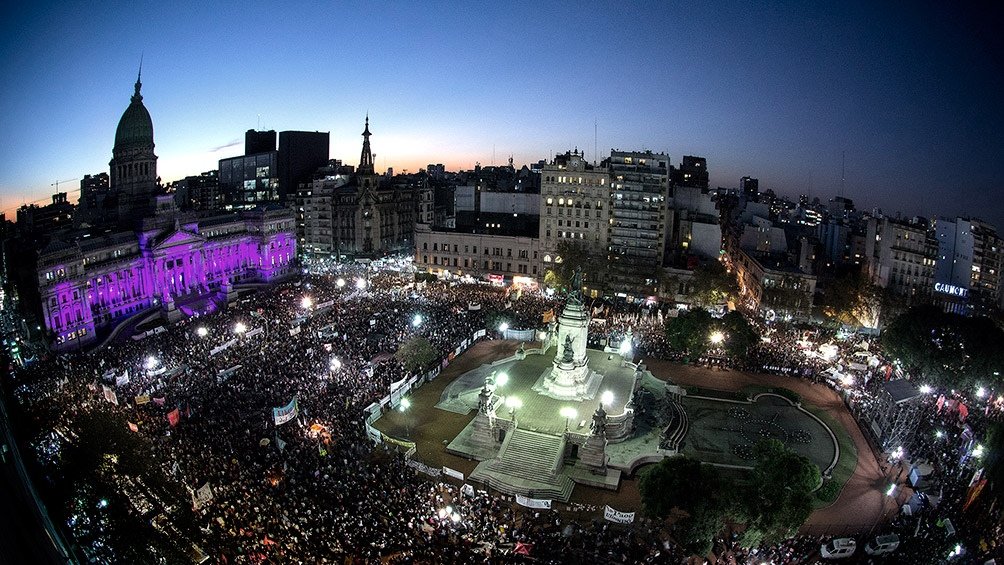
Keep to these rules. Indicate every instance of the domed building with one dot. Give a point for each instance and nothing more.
(134, 165)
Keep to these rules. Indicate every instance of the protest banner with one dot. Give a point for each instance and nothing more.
(617, 516)
(453, 473)
(110, 395)
(285, 413)
(173, 417)
(533, 502)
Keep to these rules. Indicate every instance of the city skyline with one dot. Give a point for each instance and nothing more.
(778, 93)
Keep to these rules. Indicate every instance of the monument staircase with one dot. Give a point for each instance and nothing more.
(675, 433)
(528, 463)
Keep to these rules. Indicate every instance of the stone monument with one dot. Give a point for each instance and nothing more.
(570, 377)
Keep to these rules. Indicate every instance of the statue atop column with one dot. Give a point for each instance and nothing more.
(575, 287)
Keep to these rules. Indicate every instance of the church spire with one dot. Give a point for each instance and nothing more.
(137, 97)
(366, 159)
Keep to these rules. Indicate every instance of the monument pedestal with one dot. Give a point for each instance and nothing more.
(593, 454)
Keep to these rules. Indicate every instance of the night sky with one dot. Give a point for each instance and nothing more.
(910, 92)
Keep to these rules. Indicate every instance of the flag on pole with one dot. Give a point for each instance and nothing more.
(173, 417)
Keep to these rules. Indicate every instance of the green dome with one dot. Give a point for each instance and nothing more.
(135, 128)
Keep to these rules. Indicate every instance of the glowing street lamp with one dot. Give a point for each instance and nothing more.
(978, 451)
(567, 412)
(306, 303)
(361, 284)
(335, 364)
(513, 403)
(716, 338)
(891, 491)
(981, 392)
(501, 380)
(926, 389)
(201, 331)
(151, 363)
(240, 328)
(607, 398)
(340, 283)
(417, 320)
(405, 404)
(625, 347)
(503, 327)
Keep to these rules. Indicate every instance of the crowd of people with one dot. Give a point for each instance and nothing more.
(316, 489)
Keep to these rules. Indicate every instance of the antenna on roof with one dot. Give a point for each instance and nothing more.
(843, 155)
(595, 152)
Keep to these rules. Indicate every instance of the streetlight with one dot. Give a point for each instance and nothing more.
(981, 392)
(607, 398)
(513, 403)
(405, 404)
(306, 303)
(340, 283)
(716, 337)
(891, 491)
(201, 331)
(417, 320)
(503, 328)
(151, 363)
(501, 380)
(240, 328)
(361, 283)
(335, 364)
(978, 452)
(567, 412)
(926, 389)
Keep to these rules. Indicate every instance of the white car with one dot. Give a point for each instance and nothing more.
(882, 545)
(838, 548)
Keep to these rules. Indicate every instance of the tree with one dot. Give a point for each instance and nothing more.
(777, 500)
(741, 336)
(852, 300)
(712, 284)
(948, 349)
(416, 354)
(689, 332)
(697, 489)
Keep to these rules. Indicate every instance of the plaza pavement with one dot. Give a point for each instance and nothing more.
(861, 504)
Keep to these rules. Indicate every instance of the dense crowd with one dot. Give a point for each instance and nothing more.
(316, 489)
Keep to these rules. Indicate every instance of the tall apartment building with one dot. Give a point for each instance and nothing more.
(967, 270)
(574, 206)
(901, 257)
(636, 239)
(693, 172)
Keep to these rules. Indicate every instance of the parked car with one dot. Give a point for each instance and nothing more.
(882, 545)
(838, 548)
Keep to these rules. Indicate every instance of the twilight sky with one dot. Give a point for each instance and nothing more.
(911, 92)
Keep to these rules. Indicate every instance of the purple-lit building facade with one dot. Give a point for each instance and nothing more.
(177, 264)
(161, 259)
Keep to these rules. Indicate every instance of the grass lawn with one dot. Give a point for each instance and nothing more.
(846, 463)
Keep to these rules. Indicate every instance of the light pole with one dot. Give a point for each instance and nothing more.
(567, 412)
(513, 403)
(503, 328)
(405, 404)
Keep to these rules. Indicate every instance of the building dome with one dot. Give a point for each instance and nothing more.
(135, 128)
